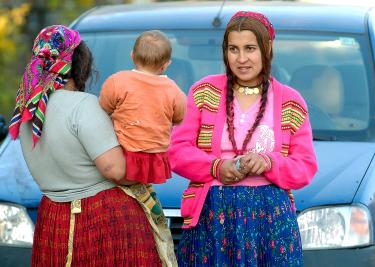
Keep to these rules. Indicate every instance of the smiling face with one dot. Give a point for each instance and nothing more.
(244, 57)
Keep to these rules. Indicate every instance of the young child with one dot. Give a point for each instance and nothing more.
(144, 104)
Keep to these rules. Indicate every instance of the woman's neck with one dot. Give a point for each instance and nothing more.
(251, 83)
(70, 85)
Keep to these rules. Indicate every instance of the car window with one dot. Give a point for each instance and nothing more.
(330, 71)
(195, 55)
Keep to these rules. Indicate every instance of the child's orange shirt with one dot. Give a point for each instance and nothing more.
(143, 108)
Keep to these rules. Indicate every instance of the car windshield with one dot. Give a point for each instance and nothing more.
(331, 71)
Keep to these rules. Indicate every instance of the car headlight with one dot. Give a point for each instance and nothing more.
(16, 227)
(335, 227)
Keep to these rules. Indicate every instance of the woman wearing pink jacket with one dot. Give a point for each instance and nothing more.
(245, 142)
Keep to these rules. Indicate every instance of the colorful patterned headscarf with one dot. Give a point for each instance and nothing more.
(51, 60)
(259, 17)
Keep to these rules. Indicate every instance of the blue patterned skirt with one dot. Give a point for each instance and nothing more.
(243, 226)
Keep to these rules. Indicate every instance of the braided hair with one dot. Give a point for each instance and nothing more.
(82, 66)
(262, 36)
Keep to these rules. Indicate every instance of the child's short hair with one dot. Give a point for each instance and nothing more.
(152, 48)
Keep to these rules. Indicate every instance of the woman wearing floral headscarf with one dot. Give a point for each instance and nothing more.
(248, 140)
(72, 152)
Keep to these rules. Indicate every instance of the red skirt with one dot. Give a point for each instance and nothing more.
(111, 230)
(147, 168)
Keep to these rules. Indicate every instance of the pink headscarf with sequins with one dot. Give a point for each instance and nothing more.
(50, 63)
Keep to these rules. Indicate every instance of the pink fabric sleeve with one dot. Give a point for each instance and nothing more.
(299, 167)
(186, 158)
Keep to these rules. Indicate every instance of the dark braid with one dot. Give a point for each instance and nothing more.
(230, 110)
(82, 62)
(259, 117)
(230, 115)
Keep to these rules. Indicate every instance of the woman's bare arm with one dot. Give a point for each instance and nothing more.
(112, 165)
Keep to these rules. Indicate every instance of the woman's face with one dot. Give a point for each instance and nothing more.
(244, 57)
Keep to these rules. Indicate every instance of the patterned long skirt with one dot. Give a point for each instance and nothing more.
(243, 226)
(111, 230)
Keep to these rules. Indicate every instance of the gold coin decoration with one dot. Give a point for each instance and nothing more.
(248, 90)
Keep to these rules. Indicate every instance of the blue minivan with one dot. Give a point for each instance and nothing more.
(325, 52)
